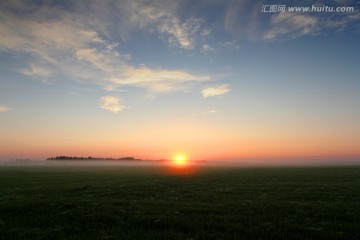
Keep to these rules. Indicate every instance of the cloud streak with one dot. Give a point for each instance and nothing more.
(35, 71)
(207, 48)
(180, 34)
(161, 17)
(112, 104)
(212, 111)
(215, 91)
(295, 25)
(3, 109)
(157, 80)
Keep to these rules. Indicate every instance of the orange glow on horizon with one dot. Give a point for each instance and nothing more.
(180, 165)
(180, 160)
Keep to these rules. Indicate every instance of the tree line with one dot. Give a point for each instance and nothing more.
(88, 158)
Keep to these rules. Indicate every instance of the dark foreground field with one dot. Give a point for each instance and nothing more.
(124, 202)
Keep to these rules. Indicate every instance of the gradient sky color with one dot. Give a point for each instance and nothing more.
(214, 80)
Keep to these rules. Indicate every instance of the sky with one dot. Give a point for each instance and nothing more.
(211, 79)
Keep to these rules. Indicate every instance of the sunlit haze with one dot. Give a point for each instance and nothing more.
(179, 80)
(180, 160)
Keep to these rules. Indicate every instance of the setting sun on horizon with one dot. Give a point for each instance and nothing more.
(180, 160)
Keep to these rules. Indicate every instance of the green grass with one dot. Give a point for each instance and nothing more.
(127, 202)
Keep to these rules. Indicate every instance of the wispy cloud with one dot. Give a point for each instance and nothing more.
(3, 108)
(55, 42)
(48, 43)
(156, 80)
(207, 48)
(232, 45)
(161, 17)
(212, 111)
(242, 19)
(295, 25)
(215, 91)
(245, 21)
(35, 71)
(112, 88)
(289, 25)
(112, 104)
(165, 19)
(206, 32)
(181, 34)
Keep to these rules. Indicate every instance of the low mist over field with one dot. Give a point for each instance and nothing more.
(169, 162)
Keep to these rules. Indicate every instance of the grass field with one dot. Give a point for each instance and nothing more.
(145, 202)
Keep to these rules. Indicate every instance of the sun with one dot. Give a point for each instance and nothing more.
(180, 160)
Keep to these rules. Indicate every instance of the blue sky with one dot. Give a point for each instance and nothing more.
(127, 74)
